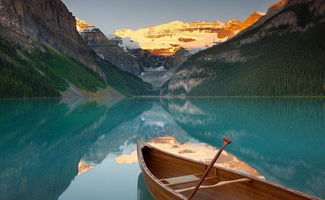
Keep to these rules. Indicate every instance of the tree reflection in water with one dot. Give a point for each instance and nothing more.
(43, 141)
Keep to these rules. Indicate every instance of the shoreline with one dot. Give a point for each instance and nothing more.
(172, 97)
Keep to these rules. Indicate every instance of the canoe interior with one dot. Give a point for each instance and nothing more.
(163, 165)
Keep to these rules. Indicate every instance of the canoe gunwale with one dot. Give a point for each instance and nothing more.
(142, 145)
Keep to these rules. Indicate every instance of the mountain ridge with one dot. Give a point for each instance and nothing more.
(45, 51)
(158, 65)
(48, 22)
(244, 64)
(166, 39)
(154, 69)
(43, 55)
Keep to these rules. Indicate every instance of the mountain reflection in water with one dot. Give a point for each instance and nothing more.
(196, 151)
(45, 143)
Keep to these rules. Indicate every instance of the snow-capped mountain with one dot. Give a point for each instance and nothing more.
(128, 56)
(166, 39)
(83, 26)
(268, 58)
(153, 53)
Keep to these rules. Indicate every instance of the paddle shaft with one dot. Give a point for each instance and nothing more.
(226, 141)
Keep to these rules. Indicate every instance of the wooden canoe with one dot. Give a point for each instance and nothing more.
(171, 177)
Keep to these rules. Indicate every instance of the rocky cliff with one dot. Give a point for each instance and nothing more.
(42, 54)
(154, 53)
(167, 39)
(148, 66)
(280, 54)
(48, 22)
(108, 49)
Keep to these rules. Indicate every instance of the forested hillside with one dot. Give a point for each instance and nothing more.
(291, 64)
(125, 82)
(41, 73)
(45, 72)
(282, 54)
(43, 55)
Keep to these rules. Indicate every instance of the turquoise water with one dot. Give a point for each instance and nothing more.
(43, 141)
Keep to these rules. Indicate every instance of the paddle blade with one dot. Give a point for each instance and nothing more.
(227, 140)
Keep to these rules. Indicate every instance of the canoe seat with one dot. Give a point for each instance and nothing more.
(180, 179)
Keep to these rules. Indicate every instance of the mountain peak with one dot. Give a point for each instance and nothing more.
(255, 16)
(83, 26)
(257, 13)
(278, 4)
(166, 39)
(176, 22)
(231, 22)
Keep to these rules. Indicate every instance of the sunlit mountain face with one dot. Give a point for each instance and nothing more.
(167, 39)
(82, 25)
(278, 4)
(155, 52)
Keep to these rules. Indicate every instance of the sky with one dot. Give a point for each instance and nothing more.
(109, 15)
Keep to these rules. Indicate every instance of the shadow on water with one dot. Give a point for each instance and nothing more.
(43, 141)
(143, 192)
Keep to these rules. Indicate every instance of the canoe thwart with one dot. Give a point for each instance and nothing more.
(215, 185)
(192, 181)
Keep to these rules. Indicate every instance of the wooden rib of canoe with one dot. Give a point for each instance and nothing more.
(171, 177)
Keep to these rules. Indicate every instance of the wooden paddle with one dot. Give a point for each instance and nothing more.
(226, 141)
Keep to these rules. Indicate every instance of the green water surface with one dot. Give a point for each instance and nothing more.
(43, 140)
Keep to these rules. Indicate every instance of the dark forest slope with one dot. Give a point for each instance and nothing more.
(281, 54)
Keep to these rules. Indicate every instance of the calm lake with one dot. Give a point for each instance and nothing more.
(54, 149)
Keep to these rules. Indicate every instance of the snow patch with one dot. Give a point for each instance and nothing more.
(157, 69)
(101, 56)
(88, 29)
(127, 43)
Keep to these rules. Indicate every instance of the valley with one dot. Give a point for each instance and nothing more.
(96, 96)
(154, 53)
(277, 53)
